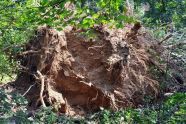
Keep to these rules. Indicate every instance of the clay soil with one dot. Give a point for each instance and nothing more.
(78, 75)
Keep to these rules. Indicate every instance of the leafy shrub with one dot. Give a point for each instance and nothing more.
(171, 111)
(11, 106)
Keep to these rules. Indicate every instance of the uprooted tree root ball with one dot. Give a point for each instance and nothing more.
(78, 75)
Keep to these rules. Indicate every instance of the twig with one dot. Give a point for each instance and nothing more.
(53, 6)
(29, 51)
(67, 107)
(167, 63)
(28, 89)
(41, 77)
(93, 47)
(176, 45)
(8, 47)
(163, 70)
(93, 99)
(166, 38)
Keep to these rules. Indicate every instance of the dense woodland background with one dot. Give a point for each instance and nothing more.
(164, 20)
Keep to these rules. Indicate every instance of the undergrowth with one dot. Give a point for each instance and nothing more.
(172, 110)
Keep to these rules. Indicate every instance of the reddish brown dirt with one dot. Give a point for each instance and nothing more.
(81, 75)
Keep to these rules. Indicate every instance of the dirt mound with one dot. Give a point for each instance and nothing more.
(79, 75)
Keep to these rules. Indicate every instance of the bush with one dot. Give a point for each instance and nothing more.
(170, 111)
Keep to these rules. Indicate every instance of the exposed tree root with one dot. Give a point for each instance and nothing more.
(42, 79)
(79, 76)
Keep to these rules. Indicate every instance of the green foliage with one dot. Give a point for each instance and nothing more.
(11, 106)
(45, 115)
(165, 12)
(171, 111)
(10, 45)
(20, 17)
(31, 13)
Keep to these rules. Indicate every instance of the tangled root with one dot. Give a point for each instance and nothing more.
(83, 75)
